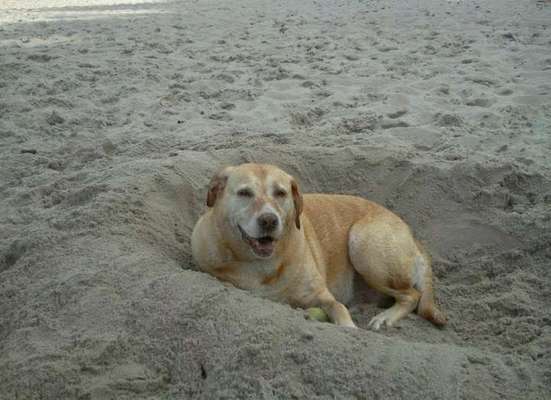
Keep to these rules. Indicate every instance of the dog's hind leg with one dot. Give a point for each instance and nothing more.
(406, 301)
(385, 253)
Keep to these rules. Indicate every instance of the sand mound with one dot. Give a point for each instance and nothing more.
(107, 310)
(112, 127)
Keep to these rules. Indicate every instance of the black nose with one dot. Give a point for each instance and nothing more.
(267, 221)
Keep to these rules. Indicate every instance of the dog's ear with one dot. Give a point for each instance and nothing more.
(297, 201)
(217, 186)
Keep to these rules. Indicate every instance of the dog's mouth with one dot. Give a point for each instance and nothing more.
(263, 246)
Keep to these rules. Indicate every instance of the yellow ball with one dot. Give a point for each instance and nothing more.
(317, 314)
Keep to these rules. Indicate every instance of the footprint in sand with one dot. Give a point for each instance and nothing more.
(227, 106)
(225, 77)
(505, 92)
(221, 116)
(448, 120)
(13, 253)
(40, 57)
(484, 80)
(480, 102)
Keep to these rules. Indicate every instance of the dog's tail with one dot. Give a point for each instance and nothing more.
(427, 307)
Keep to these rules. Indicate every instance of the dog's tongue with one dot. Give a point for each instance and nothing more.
(263, 248)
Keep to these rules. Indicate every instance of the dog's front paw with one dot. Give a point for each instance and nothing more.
(349, 324)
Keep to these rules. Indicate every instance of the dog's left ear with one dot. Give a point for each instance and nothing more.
(217, 185)
(297, 201)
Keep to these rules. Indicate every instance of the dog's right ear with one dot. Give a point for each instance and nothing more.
(217, 186)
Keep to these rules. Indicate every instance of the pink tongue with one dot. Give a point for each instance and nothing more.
(264, 249)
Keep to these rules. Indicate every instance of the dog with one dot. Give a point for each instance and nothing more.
(260, 233)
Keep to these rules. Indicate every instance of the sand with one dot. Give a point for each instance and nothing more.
(114, 116)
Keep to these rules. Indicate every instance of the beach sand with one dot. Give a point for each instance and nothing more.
(113, 118)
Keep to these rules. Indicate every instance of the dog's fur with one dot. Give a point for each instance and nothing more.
(260, 233)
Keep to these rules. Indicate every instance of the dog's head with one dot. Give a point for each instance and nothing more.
(257, 203)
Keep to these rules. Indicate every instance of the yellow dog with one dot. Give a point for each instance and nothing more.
(261, 234)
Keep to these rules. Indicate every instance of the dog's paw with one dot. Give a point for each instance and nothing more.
(349, 325)
(383, 319)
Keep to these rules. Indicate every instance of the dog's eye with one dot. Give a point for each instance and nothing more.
(245, 193)
(280, 193)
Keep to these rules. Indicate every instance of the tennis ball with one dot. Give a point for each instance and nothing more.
(317, 314)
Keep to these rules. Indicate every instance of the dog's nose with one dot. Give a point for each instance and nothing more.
(267, 221)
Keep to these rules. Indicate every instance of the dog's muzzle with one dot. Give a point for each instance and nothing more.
(263, 246)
